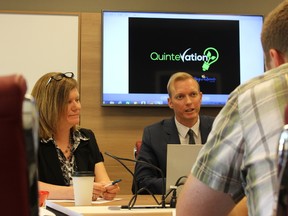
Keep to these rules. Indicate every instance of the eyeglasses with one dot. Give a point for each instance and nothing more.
(60, 76)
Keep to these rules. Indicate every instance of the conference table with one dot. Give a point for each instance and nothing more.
(145, 205)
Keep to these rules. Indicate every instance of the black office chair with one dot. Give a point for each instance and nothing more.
(282, 199)
(30, 127)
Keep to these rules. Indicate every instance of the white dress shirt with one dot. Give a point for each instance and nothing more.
(182, 132)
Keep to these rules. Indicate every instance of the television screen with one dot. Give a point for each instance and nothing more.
(141, 50)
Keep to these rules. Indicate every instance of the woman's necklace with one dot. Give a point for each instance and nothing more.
(68, 149)
(67, 152)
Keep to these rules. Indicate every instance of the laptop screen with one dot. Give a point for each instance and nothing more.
(180, 159)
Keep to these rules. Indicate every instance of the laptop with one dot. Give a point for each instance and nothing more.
(180, 159)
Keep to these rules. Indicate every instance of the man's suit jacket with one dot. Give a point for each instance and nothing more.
(154, 151)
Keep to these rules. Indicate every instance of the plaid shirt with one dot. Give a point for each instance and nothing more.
(240, 154)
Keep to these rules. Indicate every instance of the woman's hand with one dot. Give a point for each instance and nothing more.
(98, 190)
(111, 191)
(102, 190)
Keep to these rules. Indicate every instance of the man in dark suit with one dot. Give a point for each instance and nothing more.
(185, 99)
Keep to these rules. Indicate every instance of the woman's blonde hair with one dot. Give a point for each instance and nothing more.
(51, 97)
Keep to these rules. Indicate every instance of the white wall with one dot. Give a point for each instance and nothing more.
(34, 44)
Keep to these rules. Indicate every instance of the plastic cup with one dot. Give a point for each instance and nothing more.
(83, 187)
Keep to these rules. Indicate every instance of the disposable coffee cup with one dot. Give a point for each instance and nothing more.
(83, 187)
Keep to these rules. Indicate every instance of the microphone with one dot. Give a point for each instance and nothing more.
(282, 167)
(133, 200)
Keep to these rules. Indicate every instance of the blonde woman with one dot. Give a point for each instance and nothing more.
(64, 147)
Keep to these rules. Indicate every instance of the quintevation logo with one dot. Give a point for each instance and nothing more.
(209, 56)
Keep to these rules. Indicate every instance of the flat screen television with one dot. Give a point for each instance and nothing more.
(141, 50)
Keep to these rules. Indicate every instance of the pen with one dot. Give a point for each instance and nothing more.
(113, 183)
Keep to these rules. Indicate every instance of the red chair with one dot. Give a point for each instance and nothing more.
(15, 178)
(137, 148)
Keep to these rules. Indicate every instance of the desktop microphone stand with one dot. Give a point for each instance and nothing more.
(119, 159)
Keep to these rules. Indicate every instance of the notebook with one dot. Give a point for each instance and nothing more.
(180, 159)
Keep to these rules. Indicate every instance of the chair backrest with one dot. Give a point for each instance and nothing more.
(30, 126)
(16, 190)
(137, 148)
(282, 197)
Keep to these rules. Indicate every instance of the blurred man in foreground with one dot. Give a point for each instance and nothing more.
(239, 157)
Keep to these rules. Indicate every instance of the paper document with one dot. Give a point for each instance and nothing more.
(98, 201)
